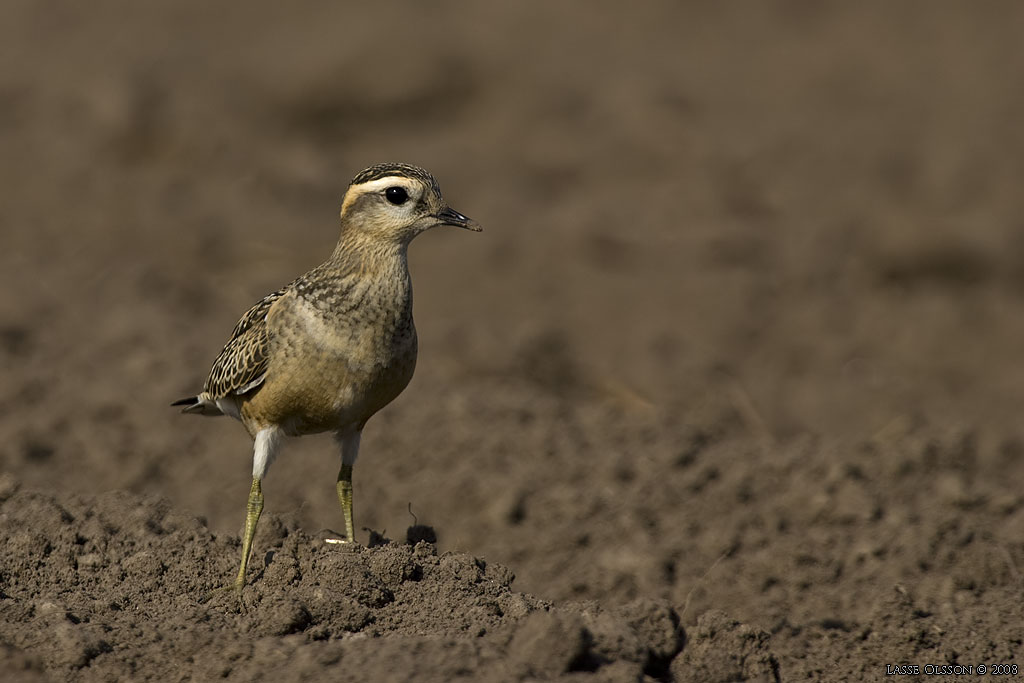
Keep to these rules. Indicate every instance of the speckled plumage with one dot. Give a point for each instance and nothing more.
(342, 343)
(337, 344)
(242, 363)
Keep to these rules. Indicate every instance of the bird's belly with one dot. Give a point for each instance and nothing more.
(335, 383)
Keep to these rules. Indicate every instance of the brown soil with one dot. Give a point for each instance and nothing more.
(731, 381)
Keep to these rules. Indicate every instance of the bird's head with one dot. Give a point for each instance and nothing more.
(396, 202)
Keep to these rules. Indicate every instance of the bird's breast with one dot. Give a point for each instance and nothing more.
(332, 367)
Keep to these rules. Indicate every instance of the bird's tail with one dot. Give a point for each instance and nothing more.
(201, 405)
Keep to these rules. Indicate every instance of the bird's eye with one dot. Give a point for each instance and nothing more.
(396, 195)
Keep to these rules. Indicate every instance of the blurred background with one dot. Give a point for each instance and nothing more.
(729, 249)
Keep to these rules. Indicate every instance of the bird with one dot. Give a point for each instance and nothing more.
(329, 350)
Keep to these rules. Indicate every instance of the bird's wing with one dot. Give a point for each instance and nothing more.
(241, 365)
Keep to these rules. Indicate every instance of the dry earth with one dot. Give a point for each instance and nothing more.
(730, 383)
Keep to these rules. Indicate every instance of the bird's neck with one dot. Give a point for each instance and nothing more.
(359, 255)
(373, 277)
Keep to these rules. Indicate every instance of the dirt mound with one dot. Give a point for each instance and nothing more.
(122, 587)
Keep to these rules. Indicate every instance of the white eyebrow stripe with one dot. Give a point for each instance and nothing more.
(382, 183)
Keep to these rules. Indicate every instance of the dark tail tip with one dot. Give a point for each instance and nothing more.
(190, 401)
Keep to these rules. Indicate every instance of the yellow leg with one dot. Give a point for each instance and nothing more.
(252, 517)
(345, 498)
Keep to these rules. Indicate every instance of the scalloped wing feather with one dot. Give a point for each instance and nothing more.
(242, 364)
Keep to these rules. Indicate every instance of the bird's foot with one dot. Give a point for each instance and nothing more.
(332, 537)
(226, 594)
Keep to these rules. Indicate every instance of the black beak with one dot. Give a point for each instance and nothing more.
(449, 216)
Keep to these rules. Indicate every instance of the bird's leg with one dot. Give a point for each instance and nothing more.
(345, 498)
(253, 509)
(265, 447)
(349, 444)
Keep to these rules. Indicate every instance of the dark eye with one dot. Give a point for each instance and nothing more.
(396, 195)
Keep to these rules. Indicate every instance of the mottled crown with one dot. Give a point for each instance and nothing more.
(401, 170)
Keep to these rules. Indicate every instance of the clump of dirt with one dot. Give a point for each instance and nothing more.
(723, 650)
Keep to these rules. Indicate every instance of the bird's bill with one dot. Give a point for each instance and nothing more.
(449, 216)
